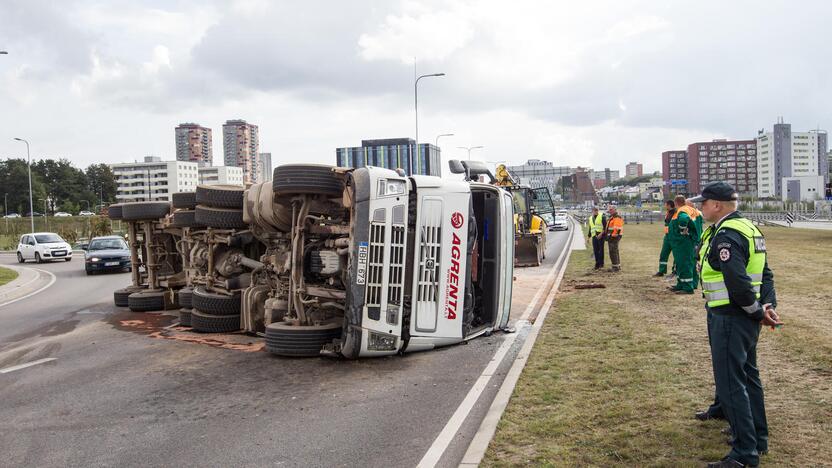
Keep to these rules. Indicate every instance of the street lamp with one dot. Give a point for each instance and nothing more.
(440, 136)
(29, 162)
(469, 148)
(416, 102)
(3, 52)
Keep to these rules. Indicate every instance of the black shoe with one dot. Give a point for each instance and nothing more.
(728, 462)
(705, 415)
(658, 275)
(681, 291)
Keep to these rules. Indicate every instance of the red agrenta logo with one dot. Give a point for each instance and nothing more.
(457, 219)
(452, 297)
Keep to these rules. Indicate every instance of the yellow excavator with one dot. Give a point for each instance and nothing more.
(529, 226)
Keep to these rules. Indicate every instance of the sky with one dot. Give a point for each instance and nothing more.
(595, 83)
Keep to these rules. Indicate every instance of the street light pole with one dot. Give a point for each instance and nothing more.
(440, 136)
(416, 102)
(31, 205)
(469, 148)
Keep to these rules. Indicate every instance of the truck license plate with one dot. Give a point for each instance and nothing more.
(363, 252)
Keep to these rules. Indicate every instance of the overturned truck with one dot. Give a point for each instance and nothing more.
(355, 262)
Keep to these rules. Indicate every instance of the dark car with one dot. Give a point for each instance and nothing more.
(108, 253)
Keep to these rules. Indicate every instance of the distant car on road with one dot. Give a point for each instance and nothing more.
(42, 247)
(106, 253)
(62, 214)
(12, 215)
(561, 221)
(35, 213)
(86, 213)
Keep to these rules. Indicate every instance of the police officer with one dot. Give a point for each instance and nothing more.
(596, 227)
(664, 256)
(738, 288)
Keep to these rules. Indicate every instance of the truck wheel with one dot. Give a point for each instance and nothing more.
(120, 295)
(185, 200)
(185, 296)
(146, 301)
(185, 317)
(222, 218)
(307, 178)
(114, 211)
(285, 339)
(184, 218)
(145, 211)
(220, 196)
(214, 323)
(215, 304)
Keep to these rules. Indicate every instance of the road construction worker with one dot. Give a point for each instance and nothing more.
(684, 237)
(738, 288)
(615, 229)
(699, 220)
(664, 256)
(596, 227)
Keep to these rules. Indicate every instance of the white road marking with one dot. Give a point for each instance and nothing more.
(28, 364)
(51, 282)
(444, 439)
(476, 450)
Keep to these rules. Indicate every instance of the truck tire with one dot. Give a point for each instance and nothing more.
(214, 323)
(185, 200)
(292, 179)
(285, 339)
(145, 211)
(185, 296)
(220, 196)
(211, 303)
(146, 301)
(184, 218)
(114, 211)
(222, 218)
(185, 317)
(120, 295)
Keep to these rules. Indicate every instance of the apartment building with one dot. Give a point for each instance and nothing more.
(194, 144)
(154, 179)
(241, 145)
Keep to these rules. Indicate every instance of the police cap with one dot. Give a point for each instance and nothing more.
(719, 191)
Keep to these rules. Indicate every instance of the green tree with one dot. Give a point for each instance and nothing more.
(14, 179)
(102, 183)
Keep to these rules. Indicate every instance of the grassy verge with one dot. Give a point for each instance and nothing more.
(6, 275)
(617, 373)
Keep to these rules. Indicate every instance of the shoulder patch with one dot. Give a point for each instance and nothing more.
(724, 254)
(724, 245)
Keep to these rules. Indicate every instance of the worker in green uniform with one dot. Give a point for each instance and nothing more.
(699, 221)
(739, 292)
(664, 256)
(684, 237)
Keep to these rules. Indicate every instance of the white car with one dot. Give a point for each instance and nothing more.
(12, 215)
(561, 221)
(86, 213)
(62, 214)
(43, 246)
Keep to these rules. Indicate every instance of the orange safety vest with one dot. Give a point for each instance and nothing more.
(692, 212)
(615, 226)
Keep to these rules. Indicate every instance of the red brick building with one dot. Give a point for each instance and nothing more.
(675, 173)
(732, 161)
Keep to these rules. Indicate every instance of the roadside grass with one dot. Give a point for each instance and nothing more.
(617, 373)
(7, 275)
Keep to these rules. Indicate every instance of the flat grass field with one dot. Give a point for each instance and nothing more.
(617, 373)
(6, 275)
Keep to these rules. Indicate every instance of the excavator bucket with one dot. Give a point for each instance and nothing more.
(528, 250)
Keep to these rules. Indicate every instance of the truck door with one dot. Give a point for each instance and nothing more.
(507, 260)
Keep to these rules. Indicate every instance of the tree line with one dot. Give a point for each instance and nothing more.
(57, 185)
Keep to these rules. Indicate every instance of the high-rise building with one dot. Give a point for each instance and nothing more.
(675, 173)
(225, 175)
(153, 179)
(392, 153)
(605, 178)
(193, 143)
(537, 173)
(241, 145)
(634, 169)
(785, 154)
(265, 160)
(731, 161)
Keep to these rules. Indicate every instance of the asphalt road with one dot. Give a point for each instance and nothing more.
(116, 395)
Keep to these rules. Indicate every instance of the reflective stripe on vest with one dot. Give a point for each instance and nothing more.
(596, 225)
(713, 282)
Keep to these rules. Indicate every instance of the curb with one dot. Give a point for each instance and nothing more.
(488, 428)
(22, 287)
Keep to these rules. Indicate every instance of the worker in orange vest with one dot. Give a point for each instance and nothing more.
(615, 229)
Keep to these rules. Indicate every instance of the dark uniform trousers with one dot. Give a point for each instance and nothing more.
(733, 340)
(615, 258)
(598, 250)
(715, 410)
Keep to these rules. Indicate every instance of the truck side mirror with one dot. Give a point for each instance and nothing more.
(456, 166)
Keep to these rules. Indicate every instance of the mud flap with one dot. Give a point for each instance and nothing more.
(528, 250)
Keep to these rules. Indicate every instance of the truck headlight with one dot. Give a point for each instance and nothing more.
(391, 187)
(381, 342)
